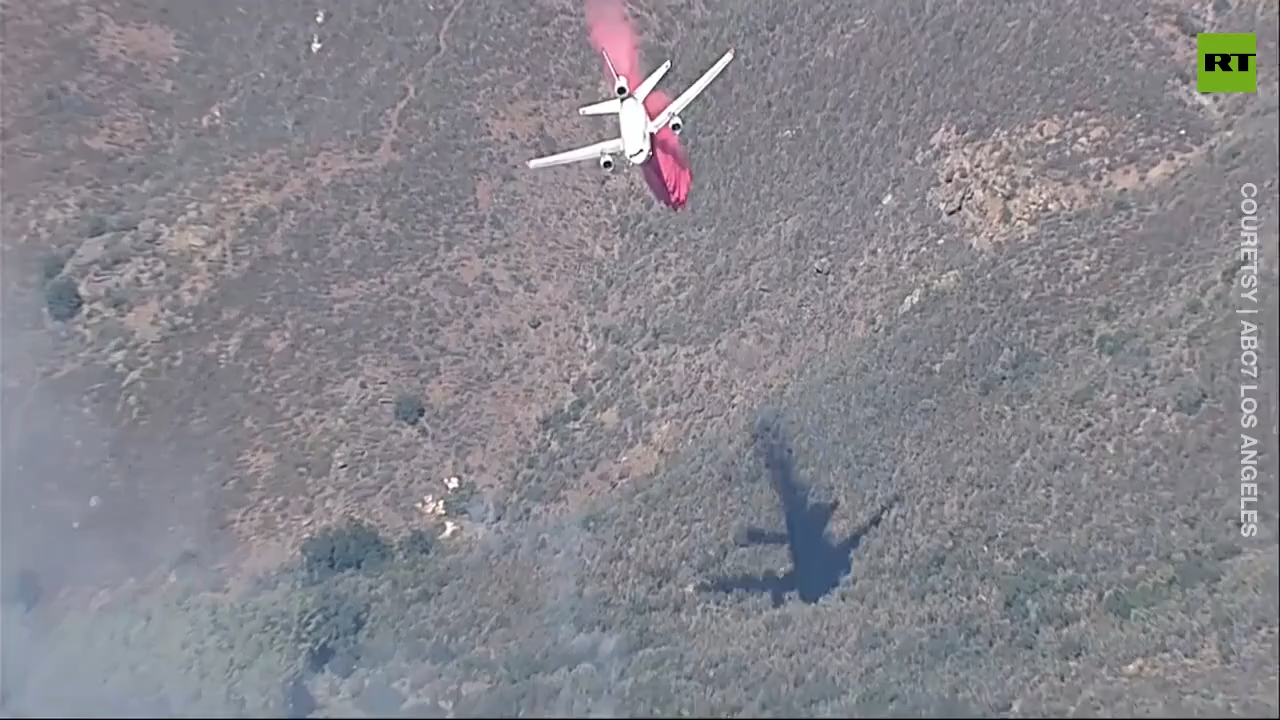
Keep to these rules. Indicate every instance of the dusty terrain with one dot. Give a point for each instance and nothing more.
(269, 272)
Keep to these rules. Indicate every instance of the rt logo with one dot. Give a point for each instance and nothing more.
(1227, 63)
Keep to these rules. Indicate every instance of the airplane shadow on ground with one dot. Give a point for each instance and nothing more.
(818, 565)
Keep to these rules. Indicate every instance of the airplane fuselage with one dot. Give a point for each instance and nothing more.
(635, 127)
(633, 123)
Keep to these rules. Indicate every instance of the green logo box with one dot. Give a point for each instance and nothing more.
(1227, 63)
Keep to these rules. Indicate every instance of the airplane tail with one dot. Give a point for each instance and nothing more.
(614, 105)
(620, 87)
(608, 107)
(652, 81)
(613, 72)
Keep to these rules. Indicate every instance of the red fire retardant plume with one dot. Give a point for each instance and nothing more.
(666, 172)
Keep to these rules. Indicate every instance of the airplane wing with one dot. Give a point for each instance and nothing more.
(590, 152)
(691, 94)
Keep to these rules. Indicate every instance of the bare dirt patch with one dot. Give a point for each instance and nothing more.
(1000, 187)
(150, 48)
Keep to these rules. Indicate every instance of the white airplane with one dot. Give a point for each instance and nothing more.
(636, 130)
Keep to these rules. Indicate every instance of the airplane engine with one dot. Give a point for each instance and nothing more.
(676, 124)
(620, 88)
(606, 163)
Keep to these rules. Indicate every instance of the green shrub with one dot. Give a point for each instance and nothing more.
(62, 299)
(353, 546)
(409, 409)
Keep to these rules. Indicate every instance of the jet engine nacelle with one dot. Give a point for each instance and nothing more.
(620, 88)
(606, 163)
(676, 124)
